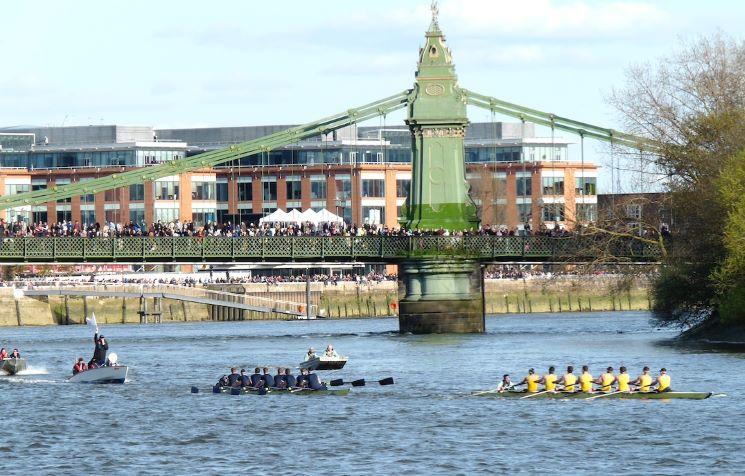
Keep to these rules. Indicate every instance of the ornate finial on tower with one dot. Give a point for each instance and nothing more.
(434, 26)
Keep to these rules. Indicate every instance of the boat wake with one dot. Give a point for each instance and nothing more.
(33, 371)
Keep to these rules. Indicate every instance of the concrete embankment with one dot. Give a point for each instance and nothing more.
(344, 300)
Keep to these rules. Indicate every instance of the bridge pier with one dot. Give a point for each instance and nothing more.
(441, 297)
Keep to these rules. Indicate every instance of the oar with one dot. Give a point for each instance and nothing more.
(607, 394)
(360, 382)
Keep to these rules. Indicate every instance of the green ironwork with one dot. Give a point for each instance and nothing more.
(438, 197)
(373, 249)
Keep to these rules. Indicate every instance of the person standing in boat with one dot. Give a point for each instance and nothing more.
(330, 352)
(643, 381)
(100, 349)
(568, 380)
(505, 385)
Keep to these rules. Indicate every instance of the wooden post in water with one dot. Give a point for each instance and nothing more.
(307, 293)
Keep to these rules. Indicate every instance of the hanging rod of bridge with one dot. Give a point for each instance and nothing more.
(553, 121)
(212, 158)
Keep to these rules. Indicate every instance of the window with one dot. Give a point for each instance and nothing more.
(39, 217)
(634, 210)
(14, 189)
(166, 214)
(87, 217)
(113, 216)
(203, 190)
(587, 212)
(553, 185)
(318, 189)
(373, 188)
(38, 186)
(166, 190)
(373, 215)
(343, 188)
(62, 183)
(113, 195)
(294, 189)
(136, 216)
(221, 191)
(137, 192)
(245, 192)
(269, 191)
(553, 212)
(524, 186)
(586, 185)
(203, 216)
(402, 187)
(87, 198)
(524, 212)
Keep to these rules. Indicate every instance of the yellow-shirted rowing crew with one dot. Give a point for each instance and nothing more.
(607, 382)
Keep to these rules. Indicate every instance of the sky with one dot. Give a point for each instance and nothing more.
(230, 63)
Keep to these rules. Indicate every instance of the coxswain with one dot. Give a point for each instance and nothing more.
(290, 379)
(311, 354)
(314, 382)
(585, 380)
(245, 379)
(15, 354)
(622, 380)
(256, 380)
(549, 380)
(606, 380)
(663, 381)
(234, 379)
(79, 366)
(3, 354)
(531, 380)
(267, 378)
(505, 385)
(568, 380)
(101, 347)
(643, 381)
(330, 352)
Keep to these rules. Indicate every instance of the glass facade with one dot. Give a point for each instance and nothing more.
(553, 212)
(137, 192)
(137, 216)
(402, 187)
(269, 190)
(221, 191)
(79, 159)
(318, 188)
(203, 216)
(524, 212)
(294, 189)
(586, 185)
(166, 190)
(245, 193)
(374, 188)
(587, 212)
(524, 186)
(203, 191)
(553, 185)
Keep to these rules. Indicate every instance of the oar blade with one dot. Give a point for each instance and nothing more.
(194, 390)
(386, 381)
(358, 383)
(216, 389)
(337, 382)
(235, 391)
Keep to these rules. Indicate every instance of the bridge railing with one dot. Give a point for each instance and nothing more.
(371, 248)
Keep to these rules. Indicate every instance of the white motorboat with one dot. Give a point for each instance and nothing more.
(108, 374)
(12, 366)
(324, 363)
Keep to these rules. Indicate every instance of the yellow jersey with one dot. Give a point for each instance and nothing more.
(644, 382)
(569, 381)
(532, 381)
(585, 382)
(664, 383)
(606, 380)
(549, 381)
(623, 382)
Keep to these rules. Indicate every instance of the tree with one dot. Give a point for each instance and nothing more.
(693, 104)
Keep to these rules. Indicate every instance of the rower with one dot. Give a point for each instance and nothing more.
(267, 378)
(279, 379)
(289, 378)
(568, 380)
(549, 380)
(622, 380)
(15, 354)
(3, 354)
(234, 379)
(256, 379)
(663, 381)
(314, 382)
(245, 378)
(311, 354)
(585, 380)
(644, 381)
(531, 380)
(330, 352)
(302, 379)
(79, 366)
(505, 385)
(606, 380)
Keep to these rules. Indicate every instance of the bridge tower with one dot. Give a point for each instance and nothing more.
(442, 296)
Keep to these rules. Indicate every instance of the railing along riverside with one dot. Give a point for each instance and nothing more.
(174, 291)
(369, 248)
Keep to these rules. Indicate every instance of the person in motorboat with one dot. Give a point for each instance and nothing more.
(79, 366)
(234, 379)
(663, 381)
(267, 378)
(531, 380)
(93, 364)
(15, 354)
(568, 380)
(505, 385)
(3, 354)
(256, 380)
(314, 382)
(549, 380)
(311, 354)
(290, 379)
(245, 378)
(330, 352)
(101, 347)
(644, 381)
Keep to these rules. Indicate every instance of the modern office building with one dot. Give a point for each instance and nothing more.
(362, 174)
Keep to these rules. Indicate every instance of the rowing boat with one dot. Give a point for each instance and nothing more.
(602, 396)
(324, 363)
(12, 366)
(277, 391)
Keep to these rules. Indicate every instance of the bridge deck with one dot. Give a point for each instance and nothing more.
(370, 249)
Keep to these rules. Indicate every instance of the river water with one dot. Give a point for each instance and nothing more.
(424, 424)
